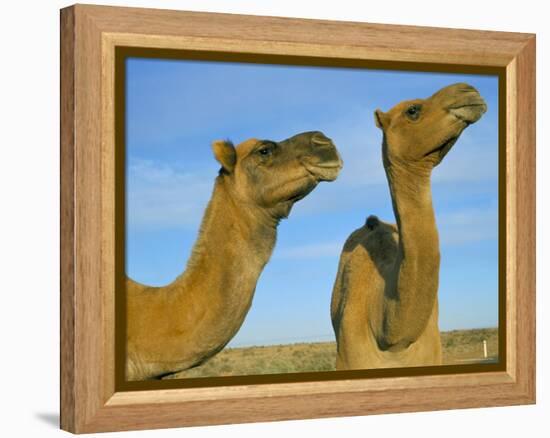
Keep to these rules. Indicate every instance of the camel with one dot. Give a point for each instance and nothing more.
(183, 324)
(384, 304)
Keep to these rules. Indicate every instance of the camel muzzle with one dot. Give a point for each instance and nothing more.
(468, 104)
(318, 154)
(325, 171)
(325, 163)
(469, 113)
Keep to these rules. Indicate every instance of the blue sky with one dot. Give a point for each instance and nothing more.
(176, 108)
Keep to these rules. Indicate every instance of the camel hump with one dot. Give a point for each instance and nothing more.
(372, 222)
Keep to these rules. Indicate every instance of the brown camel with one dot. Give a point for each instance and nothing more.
(183, 324)
(384, 305)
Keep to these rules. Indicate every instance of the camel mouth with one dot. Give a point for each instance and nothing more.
(327, 171)
(470, 112)
(296, 198)
(444, 147)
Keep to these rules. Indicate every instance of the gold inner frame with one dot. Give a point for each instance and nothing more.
(118, 48)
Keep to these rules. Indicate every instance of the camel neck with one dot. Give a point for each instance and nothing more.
(412, 204)
(231, 250)
(411, 292)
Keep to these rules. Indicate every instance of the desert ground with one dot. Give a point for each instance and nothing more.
(459, 347)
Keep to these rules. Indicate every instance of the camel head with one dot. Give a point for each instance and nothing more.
(420, 132)
(274, 175)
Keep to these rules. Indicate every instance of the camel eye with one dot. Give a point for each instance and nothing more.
(413, 112)
(266, 150)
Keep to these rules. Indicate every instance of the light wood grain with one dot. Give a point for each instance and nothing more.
(307, 388)
(375, 41)
(89, 35)
(107, 215)
(525, 287)
(511, 216)
(67, 286)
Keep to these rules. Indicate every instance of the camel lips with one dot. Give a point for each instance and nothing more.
(447, 144)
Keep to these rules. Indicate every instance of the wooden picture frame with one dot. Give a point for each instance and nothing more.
(91, 399)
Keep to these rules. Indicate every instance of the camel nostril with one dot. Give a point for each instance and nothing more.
(320, 139)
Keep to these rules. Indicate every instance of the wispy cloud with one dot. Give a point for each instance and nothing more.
(474, 158)
(161, 195)
(461, 227)
(310, 250)
(468, 225)
(185, 103)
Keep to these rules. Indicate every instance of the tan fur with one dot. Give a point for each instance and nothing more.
(183, 324)
(384, 306)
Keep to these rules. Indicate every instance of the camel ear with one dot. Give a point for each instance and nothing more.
(225, 153)
(381, 119)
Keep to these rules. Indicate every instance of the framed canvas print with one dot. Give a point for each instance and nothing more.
(271, 218)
